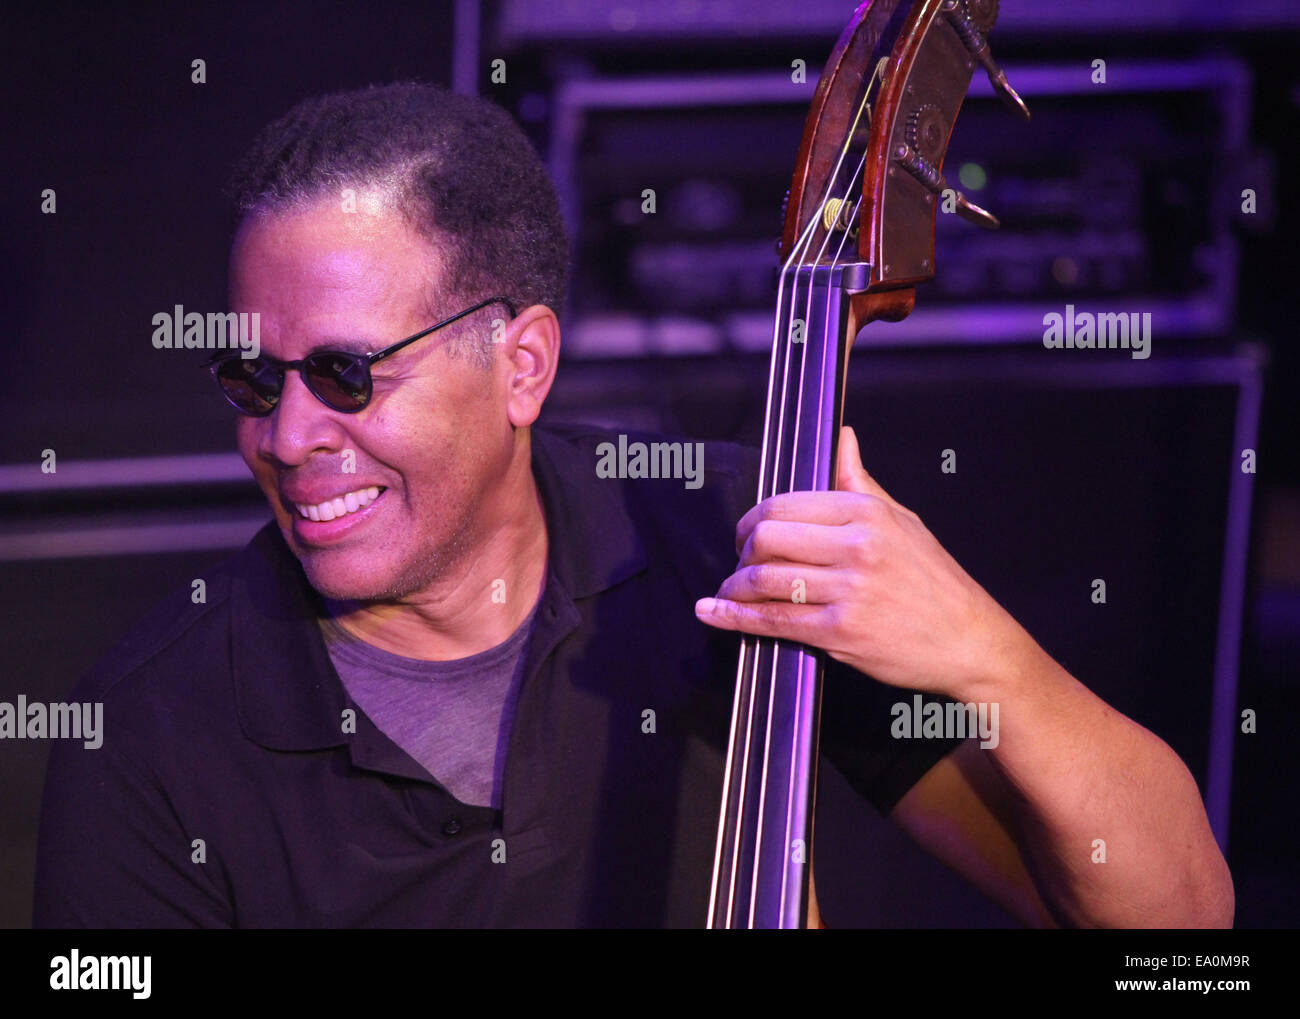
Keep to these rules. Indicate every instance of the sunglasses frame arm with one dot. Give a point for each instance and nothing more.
(445, 322)
(379, 355)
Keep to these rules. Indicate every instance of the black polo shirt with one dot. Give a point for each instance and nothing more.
(228, 793)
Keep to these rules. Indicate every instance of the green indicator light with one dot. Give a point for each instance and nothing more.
(972, 176)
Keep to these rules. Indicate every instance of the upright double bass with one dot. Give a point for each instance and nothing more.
(858, 238)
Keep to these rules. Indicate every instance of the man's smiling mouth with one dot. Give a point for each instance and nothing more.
(341, 505)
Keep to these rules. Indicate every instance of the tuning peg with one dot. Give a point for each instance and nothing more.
(924, 171)
(973, 213)
(958, 15)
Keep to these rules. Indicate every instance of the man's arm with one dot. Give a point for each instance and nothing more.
(1021, 821)
(1069, 777)
(111, 851)
(960, 812)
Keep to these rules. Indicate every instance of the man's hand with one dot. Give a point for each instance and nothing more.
(858, 575)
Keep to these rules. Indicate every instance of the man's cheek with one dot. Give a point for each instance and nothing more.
(246, 443)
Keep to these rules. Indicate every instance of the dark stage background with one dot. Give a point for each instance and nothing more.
(1071, 464)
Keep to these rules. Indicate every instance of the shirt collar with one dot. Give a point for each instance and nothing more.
(593, 541)
(287, 692)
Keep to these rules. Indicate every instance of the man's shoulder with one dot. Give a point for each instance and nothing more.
(639, 496)
(656, 462)
(177, 636)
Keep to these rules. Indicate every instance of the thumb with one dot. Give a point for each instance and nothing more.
(850, 475)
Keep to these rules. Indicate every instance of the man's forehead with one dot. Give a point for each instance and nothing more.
(325, 254)
(322, 225)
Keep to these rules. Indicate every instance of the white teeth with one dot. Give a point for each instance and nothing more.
(340, 505)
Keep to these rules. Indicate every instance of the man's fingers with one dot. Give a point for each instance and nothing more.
(818, 509)
(798, 584)
(850, 475)
(764, 619)
(829, 509)
(791, 541)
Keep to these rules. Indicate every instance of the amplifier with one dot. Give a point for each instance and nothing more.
(1118, 197)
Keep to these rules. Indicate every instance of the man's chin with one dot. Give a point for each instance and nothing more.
(339, 582)
(371, 571)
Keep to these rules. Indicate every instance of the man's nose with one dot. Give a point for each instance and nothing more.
(300, 425)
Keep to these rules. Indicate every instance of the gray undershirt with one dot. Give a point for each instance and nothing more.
(452, 717)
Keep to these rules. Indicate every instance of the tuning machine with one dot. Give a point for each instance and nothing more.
(927, 135)
(972, 19)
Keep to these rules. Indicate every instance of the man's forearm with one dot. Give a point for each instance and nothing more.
(1114, 830)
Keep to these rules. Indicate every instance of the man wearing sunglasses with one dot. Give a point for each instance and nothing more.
(460, 680)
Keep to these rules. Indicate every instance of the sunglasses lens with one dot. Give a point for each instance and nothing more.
(342, 382)
(251, 384)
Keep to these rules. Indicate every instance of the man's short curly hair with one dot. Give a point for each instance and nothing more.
(463, 173)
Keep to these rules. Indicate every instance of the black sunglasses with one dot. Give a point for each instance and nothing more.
(337, 378)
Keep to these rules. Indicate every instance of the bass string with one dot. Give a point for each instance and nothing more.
(826, 348)
(752, 644)
(748, 643)
(818, 265)
(776, 647)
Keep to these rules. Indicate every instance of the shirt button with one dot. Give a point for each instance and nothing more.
(452, 827)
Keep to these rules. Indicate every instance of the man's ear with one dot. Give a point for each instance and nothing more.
(532, 353)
